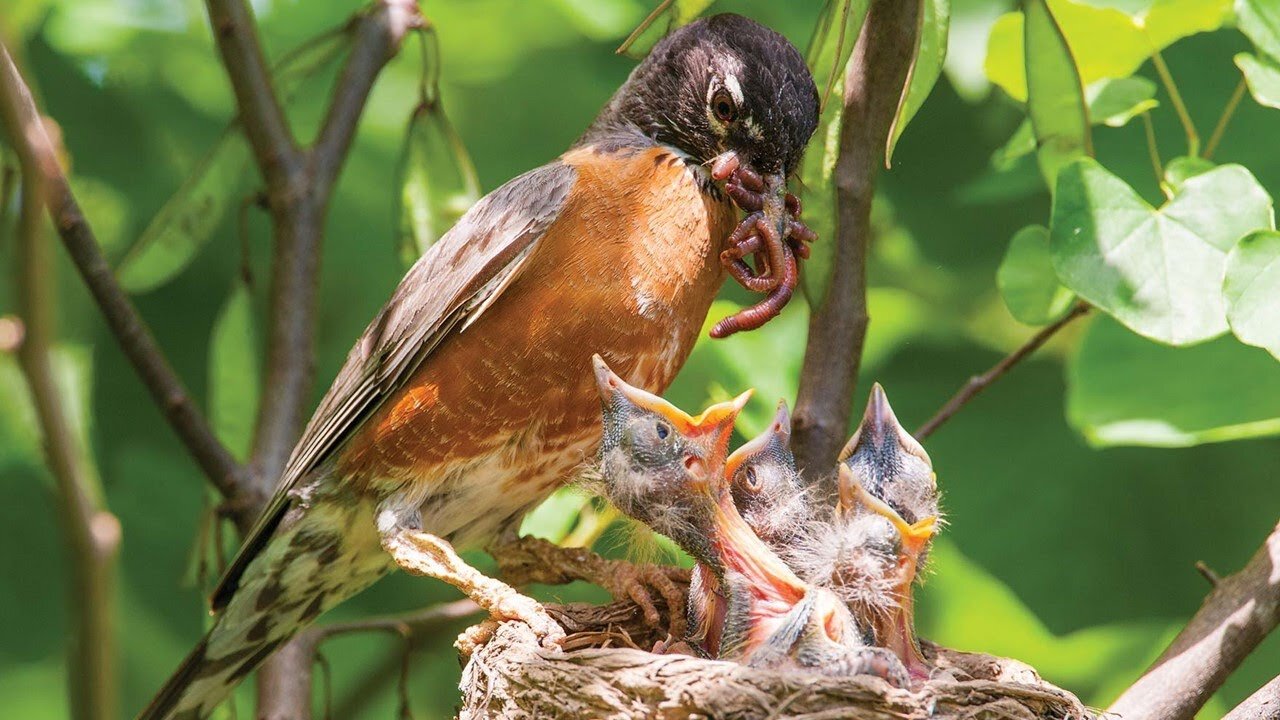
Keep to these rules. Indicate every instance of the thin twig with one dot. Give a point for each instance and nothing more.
(979, 383)
(1208, 574)
(1236, 616)
(1262, 705)
(1227, 113)
(1189, 127)
(92, 532)
(32, 142)
(876, 74)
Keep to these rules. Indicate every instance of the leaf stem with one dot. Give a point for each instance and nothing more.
(1227, 113)
(1189, 127)
(1152, 149)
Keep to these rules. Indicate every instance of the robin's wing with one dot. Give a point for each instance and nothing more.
(444, 292)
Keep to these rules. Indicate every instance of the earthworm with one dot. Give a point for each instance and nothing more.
(765, 310)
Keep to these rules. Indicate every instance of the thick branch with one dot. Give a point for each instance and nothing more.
(1235, 617)
(978, 383)
(1262, 705)
(261, 116)
(36, 151)
(92, 532)
(837, 328)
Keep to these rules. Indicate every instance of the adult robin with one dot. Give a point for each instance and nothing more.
(667, 469)
(465, 402)
(870, 549)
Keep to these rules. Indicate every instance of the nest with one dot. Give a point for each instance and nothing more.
(606, 671)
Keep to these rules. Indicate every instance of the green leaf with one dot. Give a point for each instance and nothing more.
(1114, 102)
(1181, 169)
(833, 39)
(1263, 77)
(1125, 390)
(1028, 285)
(188, 219)
(1111, 102)
(1157, 271)
(1055, 97)
(926, 67)
(436, 178)
(1260, 21)
(1252, 290)
(234, 379)
(669, 15)
(1106, 42)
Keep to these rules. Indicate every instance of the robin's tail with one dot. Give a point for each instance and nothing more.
(299, 574)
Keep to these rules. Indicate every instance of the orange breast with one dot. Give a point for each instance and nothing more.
(628, 270)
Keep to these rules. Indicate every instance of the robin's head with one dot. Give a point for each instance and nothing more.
(723, 84)
(656, 461)
(765, 484)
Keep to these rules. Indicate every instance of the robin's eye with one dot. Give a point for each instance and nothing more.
(663, 430)
(724, 107)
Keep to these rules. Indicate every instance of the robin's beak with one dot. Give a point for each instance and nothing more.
(714, 425)
(777, 435)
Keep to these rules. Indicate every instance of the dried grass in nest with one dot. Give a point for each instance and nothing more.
(606, 671)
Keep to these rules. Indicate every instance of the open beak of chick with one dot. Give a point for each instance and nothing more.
(712, 429)
(883, 470)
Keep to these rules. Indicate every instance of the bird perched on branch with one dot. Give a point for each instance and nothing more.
(666, 469)
(466, 401)
(876, 534)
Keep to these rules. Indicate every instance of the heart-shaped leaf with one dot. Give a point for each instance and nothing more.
(1263, 76)
(1252, 289)
(1157, 271)
(1181, 169)
(1126, 390)
(1260, 20)
(1028, 285)
(1106, 42)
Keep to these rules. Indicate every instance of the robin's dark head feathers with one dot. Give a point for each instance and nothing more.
(722, 84)
(654, 456)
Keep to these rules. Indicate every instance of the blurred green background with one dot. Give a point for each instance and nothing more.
(1075, 559)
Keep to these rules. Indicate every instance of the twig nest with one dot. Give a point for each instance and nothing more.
(606, 671)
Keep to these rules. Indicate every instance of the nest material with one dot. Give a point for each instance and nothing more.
(606, 671)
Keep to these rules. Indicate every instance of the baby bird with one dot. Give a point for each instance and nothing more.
(666, 469)
(871, 547)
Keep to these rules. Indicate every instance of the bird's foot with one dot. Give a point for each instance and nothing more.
(420, 553)
(529, 559)
(875, 661)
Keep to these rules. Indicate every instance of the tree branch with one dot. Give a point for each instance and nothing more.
(36, 151)
(837, 328)
(978, 383)
(261, 116)
(92, 532)
(1236, 616)
(377, 39)
(1262, 705)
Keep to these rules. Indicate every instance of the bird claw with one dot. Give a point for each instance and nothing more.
(625, 580)
(530, 612)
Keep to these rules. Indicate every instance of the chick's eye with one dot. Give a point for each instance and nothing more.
(751, 479)
(723, 106)
(663, 430)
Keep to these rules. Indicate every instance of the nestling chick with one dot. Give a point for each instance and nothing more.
(665, 468)
(886, 514)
